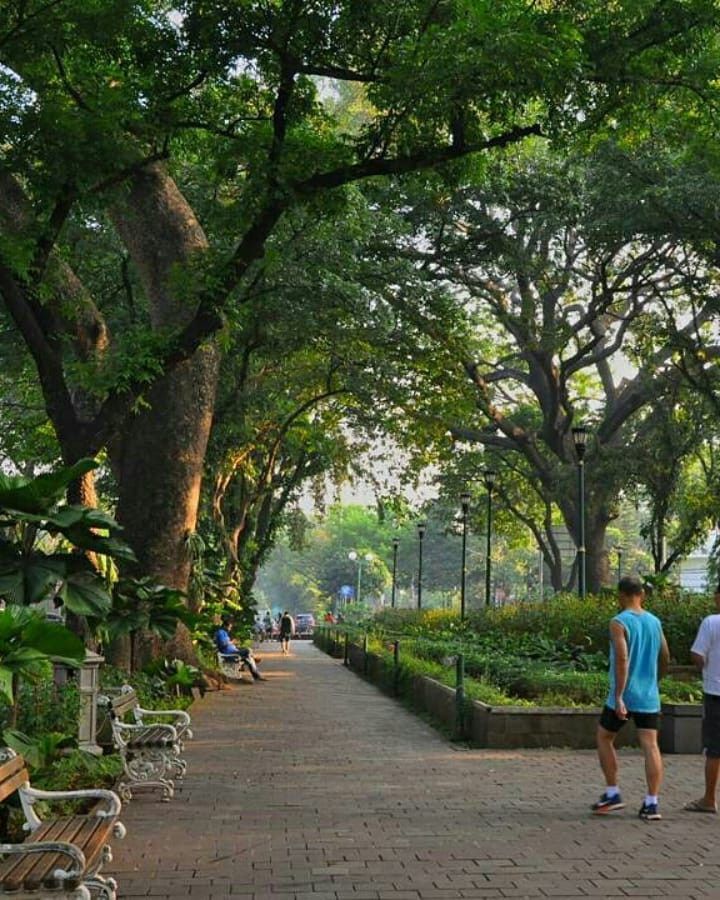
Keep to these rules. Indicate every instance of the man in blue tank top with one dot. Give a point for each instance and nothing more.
(638, 657)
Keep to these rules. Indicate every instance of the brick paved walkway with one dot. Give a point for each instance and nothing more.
(314, 786)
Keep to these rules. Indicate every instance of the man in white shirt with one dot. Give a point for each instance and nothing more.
(705, 653)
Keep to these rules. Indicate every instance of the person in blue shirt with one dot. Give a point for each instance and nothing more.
(227, 647)
(638, 658)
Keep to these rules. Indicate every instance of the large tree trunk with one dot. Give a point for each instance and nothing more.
(598, 560)
(159, 459)
(160, 468)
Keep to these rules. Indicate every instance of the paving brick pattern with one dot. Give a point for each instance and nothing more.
(314, 786)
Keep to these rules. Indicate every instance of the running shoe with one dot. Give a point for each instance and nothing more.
(607, 804)
(649, 812)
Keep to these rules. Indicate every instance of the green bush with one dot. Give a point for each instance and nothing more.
(550, 653)
(153, 691)
(563, 619)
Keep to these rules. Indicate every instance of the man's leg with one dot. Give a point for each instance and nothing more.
(607, 755)
(653, 759)
(712, 774)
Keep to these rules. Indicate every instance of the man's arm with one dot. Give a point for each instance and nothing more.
(701, 645)
(664, 660)
(619, 640)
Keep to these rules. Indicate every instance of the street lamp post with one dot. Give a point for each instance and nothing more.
(421, 536)
(395, 544)
(489, 479)
(465, 506)
(620, 550)
(580, 437)
(357, 558)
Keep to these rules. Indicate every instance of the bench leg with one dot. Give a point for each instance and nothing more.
(147, 770)
(105, 888)
(125, 789)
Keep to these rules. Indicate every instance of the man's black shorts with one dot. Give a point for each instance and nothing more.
(711, 725)
(611, 722)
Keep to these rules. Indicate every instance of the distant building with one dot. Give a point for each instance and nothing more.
(693, 569)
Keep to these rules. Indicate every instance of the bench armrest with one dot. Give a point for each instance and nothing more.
(78, 863)
(125, 731)
(30, 795)
(181, 717)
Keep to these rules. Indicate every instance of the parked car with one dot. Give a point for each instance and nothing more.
(304, 624)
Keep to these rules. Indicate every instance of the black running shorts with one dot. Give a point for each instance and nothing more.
(711, 725)
(610, 721)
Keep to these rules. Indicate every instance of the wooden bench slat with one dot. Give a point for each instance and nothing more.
(9, 768)
(87, 834)
(38, 865)
(10, 785)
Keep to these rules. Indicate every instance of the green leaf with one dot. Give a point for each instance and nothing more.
(53, 639)
(6, 684)
(85, 595)
(38, 495)
(29, 579)
(86, 539)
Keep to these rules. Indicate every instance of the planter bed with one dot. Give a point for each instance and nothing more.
(525, 727)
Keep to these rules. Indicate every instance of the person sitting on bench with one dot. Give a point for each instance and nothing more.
(227, 647)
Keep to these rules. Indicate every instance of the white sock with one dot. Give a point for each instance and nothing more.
(651, 799)
(611, 790)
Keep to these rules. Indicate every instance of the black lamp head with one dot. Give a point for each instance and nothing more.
(580, 438)
(465, 502)
(489, 477)
(421, 526)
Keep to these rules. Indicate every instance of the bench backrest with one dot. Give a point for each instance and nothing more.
(13, 775)
(123, 703)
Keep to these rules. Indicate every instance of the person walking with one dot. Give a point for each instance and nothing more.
(639, 655)
(705, 653)
(287, 630)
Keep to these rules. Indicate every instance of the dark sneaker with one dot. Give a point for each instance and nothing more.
(649, 812)
(607, 804)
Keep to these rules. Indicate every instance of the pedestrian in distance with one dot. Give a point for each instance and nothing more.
(287, 630)
(639, 656)
(705, 653)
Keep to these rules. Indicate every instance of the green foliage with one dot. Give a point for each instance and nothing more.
(141, 604)
(40, 540)
(554, 653)
(77, 770)
(152, 689)
(564, 619)
(27, 640)
(42, 751)
(176, 676)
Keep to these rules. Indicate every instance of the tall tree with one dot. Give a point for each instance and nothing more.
(105, 105)
(570, 326)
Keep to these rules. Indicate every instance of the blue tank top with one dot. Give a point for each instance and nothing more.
(643, 632)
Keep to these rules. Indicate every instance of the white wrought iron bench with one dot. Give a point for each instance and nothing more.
(150, 747)
(61, 857)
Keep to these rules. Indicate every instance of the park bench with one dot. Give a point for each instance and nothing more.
(61, 857)
(231, 665)
(151, 746)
